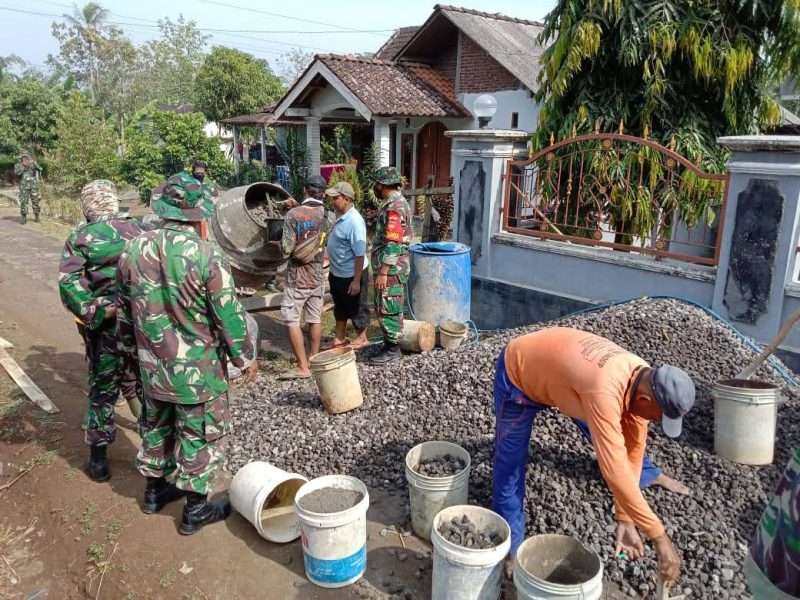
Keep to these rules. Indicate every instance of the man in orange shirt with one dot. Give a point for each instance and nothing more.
(616, 393)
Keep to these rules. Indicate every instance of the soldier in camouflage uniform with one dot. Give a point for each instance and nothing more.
(27, 173)
(86, 279)
(389, 261)
(178, 314)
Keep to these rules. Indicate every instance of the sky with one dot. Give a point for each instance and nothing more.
(263, 28)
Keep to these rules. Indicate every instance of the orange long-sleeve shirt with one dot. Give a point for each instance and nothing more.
(589, 377)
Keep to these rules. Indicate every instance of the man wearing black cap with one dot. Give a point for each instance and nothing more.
(305, 232)
(612, 394)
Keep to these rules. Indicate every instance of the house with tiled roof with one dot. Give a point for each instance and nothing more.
(422, 82)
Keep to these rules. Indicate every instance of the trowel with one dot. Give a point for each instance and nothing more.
(748, 371)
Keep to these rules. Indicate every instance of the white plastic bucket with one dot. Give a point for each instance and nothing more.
(429, 495)
(745, 415)
(557, 567)
(264, 495)
(336, 374)
(334, 544)
(451, 334)
(466, 573)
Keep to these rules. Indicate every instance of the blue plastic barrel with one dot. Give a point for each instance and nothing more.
(440, 284)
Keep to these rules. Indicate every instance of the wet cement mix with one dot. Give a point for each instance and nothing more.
(462, 531)
(330, 500)
(269, 209)
(440, 466)
(448, 396)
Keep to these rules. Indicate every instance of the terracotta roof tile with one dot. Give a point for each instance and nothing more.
(396, 89)
(395, 43)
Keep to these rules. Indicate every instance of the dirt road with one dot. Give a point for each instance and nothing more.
(68, 537)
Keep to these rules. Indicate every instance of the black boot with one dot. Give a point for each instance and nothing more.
(97, 465)
(23, 219)
(158, 493)
(35, 217)
(390, 353)
(199, 512)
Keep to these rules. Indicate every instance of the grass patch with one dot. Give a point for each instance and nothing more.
(96, 551)
(86, 520)
(62, 207)
(113, 529)
(167, 579)
(70, 474)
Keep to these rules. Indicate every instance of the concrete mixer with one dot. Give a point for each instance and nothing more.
(245, 220)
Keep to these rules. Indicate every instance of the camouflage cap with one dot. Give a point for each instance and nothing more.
(387, 176)
(99, 198)
(25, 154)
(183, 199)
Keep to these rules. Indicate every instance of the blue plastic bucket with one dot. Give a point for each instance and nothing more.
(440, 284)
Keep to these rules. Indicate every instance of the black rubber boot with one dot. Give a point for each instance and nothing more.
(23, 219)
(36, 217)
(97, 465)
(390, 353)
(199, 512)
(158, 493)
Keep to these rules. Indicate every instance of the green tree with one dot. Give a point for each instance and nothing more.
(693, 69)
(168, 65)
(79, 36)
(232, 82)
(292, 64)
(86, 146)
(163, 143)
(28, 110)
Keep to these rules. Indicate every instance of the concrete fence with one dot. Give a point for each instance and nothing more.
(519, 279)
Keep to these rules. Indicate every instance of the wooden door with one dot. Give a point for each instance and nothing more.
(433, 156)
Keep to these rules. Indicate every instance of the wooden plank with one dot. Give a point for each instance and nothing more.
(25, 383)
(269, 302)
(5, 344)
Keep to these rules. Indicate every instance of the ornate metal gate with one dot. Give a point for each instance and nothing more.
(620, 192)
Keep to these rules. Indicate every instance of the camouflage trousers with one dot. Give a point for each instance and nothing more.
(107, 378)
(389, 306)
(29, 195)
(183, 441)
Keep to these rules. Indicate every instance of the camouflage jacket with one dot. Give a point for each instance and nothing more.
(27, 176)
(392, 236)
(88, 266)
(305, 232)
(177, 313)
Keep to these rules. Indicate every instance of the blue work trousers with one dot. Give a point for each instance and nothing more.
(515, 413)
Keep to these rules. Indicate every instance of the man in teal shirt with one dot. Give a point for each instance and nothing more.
(348, 277)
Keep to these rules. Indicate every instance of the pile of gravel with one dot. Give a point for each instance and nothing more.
(448, 396)
(440, 466)
(463, 532)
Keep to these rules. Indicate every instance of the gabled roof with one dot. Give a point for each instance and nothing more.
(511, 42)
(380, 88)
(396, 41)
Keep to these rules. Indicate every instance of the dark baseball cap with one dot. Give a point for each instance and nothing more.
(316, 181)
(674, 391)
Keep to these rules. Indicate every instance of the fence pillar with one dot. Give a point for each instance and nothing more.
(478, 162)
(758, 247)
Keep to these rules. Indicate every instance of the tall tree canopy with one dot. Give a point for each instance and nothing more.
(232, 82)
(695, 69)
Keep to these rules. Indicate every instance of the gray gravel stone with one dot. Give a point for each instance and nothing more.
(448, 396)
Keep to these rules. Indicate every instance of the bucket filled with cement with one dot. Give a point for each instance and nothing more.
(438, 477)
(333, 520)
(745, 417)
(557, 567)
(264, 495)
(470, 544)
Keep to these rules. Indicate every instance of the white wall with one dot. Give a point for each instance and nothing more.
(509, 101)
